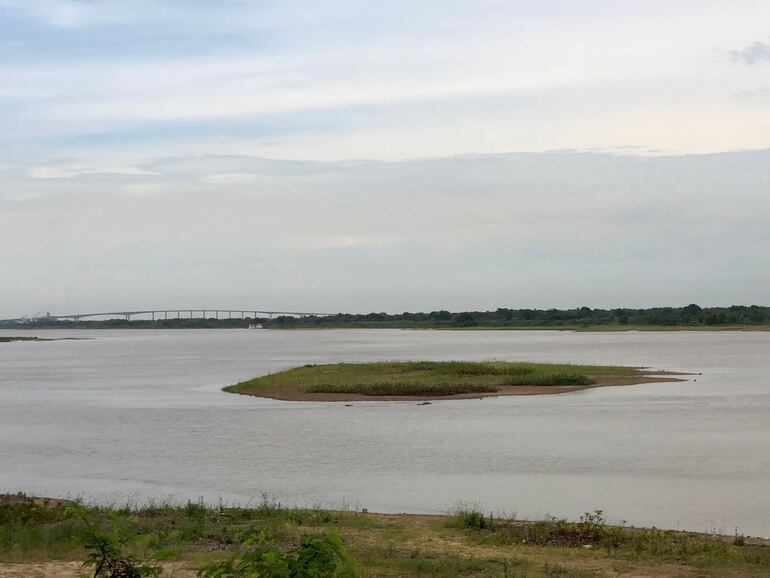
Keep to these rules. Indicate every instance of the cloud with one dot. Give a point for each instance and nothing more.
(20, 198)
(71, 172)
(456, 232)
(759, 96)
(520, 79)
(225, 178)
(68, 13)
(143, 189)
(755, 53)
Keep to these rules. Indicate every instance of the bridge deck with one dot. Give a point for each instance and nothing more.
(167, 312)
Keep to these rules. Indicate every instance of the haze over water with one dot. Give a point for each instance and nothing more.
(139, 414)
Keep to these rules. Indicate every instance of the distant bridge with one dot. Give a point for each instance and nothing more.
(170, 313)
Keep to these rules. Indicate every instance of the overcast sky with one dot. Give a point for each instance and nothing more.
(389, 156)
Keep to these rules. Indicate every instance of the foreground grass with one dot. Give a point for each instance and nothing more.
(431, 379)
(182, 540)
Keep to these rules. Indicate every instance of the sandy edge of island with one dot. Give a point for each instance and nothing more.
(503, 390)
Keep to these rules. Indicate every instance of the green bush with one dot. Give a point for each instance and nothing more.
(108, 548)
(30, 514)
(470, 518)
(321, 556)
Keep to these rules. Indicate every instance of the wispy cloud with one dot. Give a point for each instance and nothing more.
(290, 80)
(69, 13)
(755, 53)
(759, 96)
(74, 171)
(468, 231)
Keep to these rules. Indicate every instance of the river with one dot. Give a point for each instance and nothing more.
(133, 415)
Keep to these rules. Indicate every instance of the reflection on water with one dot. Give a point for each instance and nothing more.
(140, 413)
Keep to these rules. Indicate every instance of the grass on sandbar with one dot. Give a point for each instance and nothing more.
(423, 378)
(415, 388)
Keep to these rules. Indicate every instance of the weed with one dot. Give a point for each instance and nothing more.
(404, 388)
(552, 380)
(470, 517)
(107, 551)
(320, 556)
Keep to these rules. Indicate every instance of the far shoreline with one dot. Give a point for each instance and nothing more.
(561, 328)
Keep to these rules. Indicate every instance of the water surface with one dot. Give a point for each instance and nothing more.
(139, 414)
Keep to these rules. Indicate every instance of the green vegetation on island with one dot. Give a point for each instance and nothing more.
(30, 338)
(433, 379)
(40, 538)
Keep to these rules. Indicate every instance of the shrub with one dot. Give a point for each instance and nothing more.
(470, 517)
(107, 552)
(30, 514)
(196, 510)
(321, 556)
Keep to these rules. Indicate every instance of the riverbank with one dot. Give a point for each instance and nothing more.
(39, 539)
(431, 380)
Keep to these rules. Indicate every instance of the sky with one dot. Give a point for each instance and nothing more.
(383, 156)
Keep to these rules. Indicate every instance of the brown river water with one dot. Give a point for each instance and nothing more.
(134, 415)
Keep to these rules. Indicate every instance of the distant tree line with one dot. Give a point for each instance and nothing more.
(691, 315)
